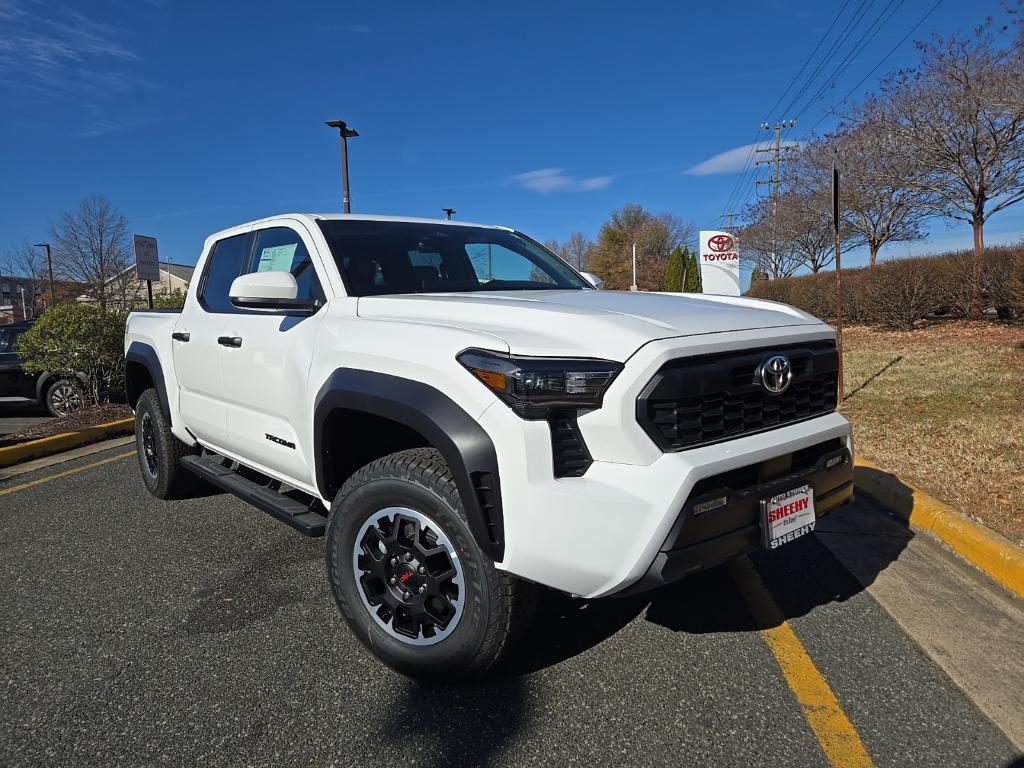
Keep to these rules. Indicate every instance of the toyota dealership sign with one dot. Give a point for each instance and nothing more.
(719, 263)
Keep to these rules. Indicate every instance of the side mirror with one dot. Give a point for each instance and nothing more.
(593, 279)
(268, 290)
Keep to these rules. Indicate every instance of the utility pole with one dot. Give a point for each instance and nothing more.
(776, 150)
(344, 134)
(448, 213)
(49, 266)
(728, 219)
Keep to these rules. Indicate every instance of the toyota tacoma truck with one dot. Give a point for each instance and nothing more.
(465, 417)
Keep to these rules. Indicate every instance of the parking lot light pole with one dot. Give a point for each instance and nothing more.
(49, 267)
(344, 132)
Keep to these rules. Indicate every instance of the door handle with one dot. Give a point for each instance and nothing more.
(230, 341)
(180, 336)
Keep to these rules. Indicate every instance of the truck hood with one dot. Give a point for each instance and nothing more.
(606, 324)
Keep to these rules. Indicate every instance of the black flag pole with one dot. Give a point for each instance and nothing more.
(839, 270)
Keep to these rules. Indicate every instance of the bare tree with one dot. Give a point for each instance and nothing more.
(91, 247)
(578, 250)
(762, 249)
(27, 265)
(959, 117)
(880, 201)
(805, 225)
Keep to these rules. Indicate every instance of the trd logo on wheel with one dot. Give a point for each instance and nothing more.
(720, 243)
(405, 576)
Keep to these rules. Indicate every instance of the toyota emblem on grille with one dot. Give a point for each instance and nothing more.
(776, 374)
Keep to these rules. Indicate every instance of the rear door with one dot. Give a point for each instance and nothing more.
(268, 409)
(198, 337)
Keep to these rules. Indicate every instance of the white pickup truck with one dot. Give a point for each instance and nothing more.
(465, 416)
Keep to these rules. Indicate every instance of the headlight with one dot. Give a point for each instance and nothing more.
(533, 386)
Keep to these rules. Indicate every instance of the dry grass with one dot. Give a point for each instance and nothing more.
(943, 407)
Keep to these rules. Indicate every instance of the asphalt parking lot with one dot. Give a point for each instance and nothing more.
(17, 417)
(138, 632)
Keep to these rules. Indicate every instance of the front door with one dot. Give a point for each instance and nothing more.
(197, 337)
(269, 409)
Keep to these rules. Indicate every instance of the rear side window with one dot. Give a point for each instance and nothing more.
(281, 249)
(224, 265)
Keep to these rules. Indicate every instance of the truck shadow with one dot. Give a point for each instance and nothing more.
(468, 725)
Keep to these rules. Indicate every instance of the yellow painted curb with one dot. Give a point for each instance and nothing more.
(47, 446)
(986, 549)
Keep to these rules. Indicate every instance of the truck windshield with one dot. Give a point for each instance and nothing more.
(385, 257)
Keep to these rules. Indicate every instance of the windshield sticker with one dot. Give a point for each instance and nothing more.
(277, 258)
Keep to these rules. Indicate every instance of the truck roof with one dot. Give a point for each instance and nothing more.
(312, 218)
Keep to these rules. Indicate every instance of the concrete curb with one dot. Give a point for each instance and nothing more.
(47, 446)
(985, 549)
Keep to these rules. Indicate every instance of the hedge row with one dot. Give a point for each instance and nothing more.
(900, 293)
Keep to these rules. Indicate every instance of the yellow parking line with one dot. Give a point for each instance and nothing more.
(833, 729)
(65, 473)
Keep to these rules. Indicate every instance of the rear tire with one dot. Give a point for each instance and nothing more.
(409, 577)
(159, 450)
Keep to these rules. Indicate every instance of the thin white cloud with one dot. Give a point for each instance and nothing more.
(546, 180)
(730, 161)
(362, 29)
(56, 53)
(50, 48)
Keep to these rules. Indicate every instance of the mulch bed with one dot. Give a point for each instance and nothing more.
(87, 417)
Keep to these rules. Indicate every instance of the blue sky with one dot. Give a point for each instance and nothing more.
(191, 117)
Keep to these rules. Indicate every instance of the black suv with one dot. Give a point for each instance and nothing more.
(59, 394)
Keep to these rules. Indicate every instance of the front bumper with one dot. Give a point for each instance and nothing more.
(699, 541)
(599, 534)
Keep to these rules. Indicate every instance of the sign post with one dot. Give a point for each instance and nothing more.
(839, 272)
(147, 262)
(719, 263)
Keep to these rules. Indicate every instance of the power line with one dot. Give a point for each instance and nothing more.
(851, 24)
(865, 39)
(885, 58)
(745, 178)
(808, 59)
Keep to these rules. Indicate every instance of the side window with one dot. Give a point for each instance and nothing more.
(5, 344)
(281, 248)
(222, 267)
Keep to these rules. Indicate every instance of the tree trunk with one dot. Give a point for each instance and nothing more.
(872, 254)
(979, 248)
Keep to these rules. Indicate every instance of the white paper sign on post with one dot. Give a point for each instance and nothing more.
(147, 262)
(719, 263)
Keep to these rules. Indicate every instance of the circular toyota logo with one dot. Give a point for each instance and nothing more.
(776, 374)
(720, 243)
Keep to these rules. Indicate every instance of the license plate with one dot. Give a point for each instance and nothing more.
(787, 516)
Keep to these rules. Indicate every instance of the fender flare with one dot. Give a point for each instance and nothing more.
(463, 443)
(146, 356)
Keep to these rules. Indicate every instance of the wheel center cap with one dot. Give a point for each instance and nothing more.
(408, 578)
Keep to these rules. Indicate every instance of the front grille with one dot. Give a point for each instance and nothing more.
(706, 399)
(569, 453)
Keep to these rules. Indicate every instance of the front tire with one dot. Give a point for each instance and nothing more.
(409, 577)
(159, 450)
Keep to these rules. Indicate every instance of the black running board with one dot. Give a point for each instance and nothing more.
(286, 509)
